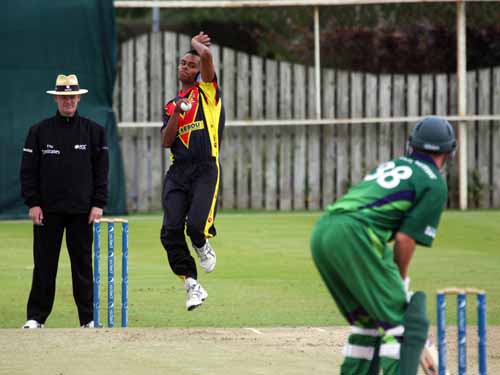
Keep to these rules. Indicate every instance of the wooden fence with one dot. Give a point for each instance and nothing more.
(297, 167)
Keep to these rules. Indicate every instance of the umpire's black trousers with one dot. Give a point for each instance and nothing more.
(46, 250)
(189, 200)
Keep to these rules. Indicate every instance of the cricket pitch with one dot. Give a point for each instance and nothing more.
(240, 351)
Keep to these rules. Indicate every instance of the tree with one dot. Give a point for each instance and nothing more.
(394, 38)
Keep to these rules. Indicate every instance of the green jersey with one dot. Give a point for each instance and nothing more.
(404, 195)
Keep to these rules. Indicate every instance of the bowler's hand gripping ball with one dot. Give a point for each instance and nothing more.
(185, 106)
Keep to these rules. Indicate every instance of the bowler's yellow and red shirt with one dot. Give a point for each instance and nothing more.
(199, 130)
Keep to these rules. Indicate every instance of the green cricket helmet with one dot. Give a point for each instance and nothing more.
(433, 134)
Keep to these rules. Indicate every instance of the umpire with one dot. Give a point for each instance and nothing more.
(64, 182)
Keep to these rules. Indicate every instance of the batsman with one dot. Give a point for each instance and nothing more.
(401, 201)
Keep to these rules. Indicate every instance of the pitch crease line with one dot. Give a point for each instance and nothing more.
(254, 330)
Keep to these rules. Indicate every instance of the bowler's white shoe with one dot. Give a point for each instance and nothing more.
(32, 324)
(195, 293)
(89, 325)
(206, 253)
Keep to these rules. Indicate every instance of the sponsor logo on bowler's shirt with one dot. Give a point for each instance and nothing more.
(187, 123)
(188, 128)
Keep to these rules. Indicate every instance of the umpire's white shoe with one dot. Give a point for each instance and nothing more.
(206, 253)
(32, 324)
(195, 293)
(89, 325)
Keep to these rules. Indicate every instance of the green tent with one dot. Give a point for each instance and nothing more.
(40, 39)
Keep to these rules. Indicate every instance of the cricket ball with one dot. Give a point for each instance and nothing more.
(185, 106)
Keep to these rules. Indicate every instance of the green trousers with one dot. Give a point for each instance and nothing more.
(360, 274)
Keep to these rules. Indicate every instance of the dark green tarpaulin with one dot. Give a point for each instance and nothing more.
(40, 39)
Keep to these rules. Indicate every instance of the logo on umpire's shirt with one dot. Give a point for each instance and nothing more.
(81, 147)
(50, 150)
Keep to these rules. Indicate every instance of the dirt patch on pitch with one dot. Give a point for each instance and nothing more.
(239, 351)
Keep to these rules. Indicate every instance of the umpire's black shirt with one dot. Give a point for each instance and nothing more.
(65, 165)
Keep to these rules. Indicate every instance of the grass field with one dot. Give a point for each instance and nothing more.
(264, 277)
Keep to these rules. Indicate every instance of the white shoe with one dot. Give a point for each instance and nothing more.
(207, 257)
(195, 293)
(89, 325)
(32, 324)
